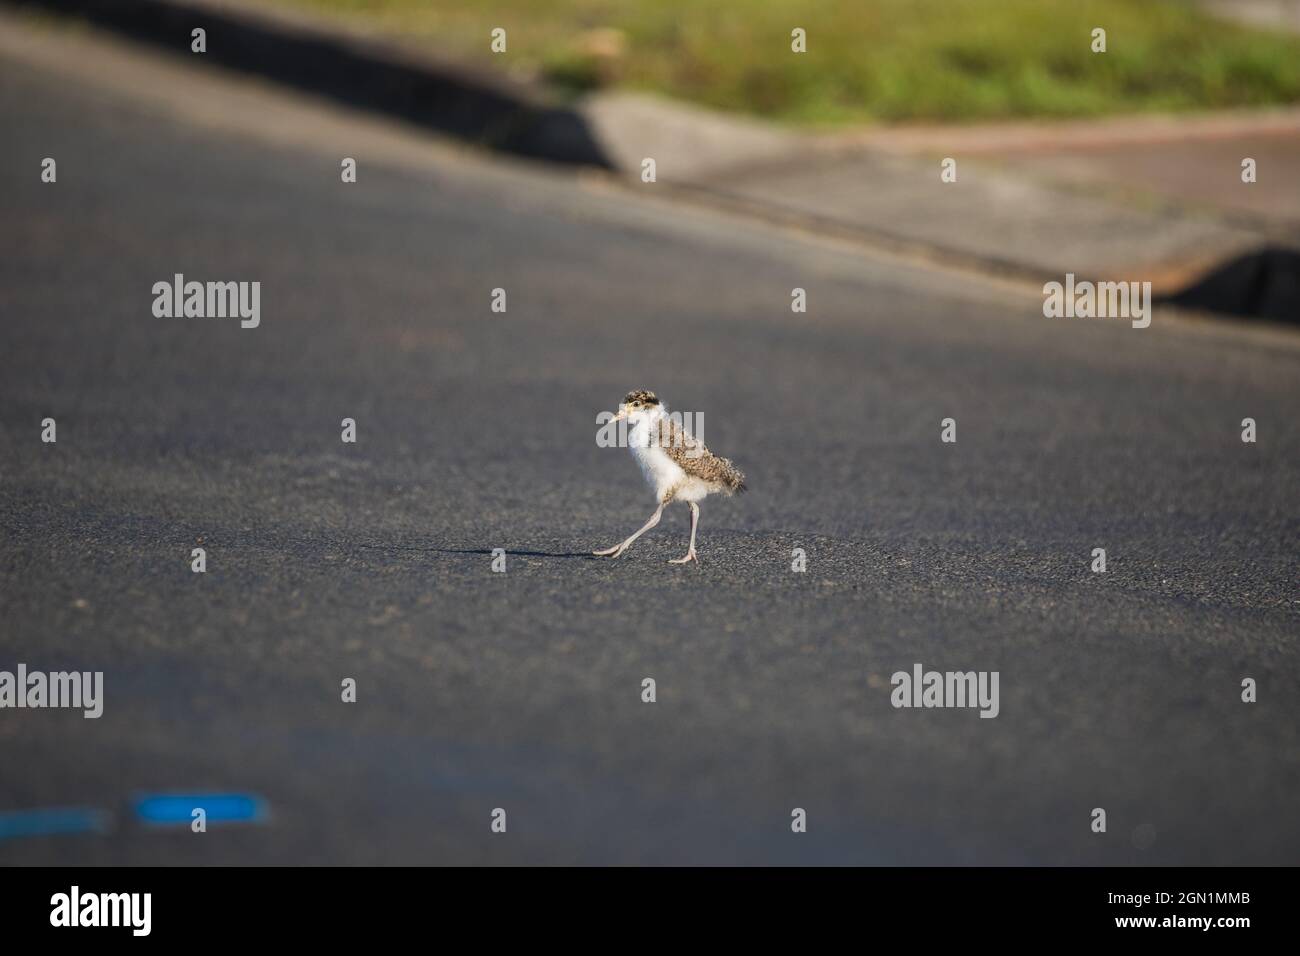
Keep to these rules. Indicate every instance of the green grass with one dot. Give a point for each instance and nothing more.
(869, 60)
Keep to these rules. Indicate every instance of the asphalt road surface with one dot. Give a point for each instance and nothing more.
(522, 691)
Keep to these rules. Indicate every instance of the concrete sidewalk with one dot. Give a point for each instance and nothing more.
(1158, 198)
(1278, 14)
(1191, 162)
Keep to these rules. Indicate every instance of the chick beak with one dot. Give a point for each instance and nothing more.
(622, 414)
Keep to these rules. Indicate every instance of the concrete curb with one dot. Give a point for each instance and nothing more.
(484, 109)
(610, 130)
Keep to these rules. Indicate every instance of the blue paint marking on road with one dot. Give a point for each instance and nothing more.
(178, 808)
(52, 822)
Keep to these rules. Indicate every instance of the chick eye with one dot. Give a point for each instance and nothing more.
(636, 404)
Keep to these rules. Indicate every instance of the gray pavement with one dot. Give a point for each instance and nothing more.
(476, 431)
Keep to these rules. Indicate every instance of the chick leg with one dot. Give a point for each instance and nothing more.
(618, 549)
(690, 552)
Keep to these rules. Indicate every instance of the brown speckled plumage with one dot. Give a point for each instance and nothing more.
(690, 454)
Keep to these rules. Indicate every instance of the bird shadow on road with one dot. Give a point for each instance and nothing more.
(486, 551)
(521, 554)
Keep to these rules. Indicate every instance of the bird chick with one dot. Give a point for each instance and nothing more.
(675, 464)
